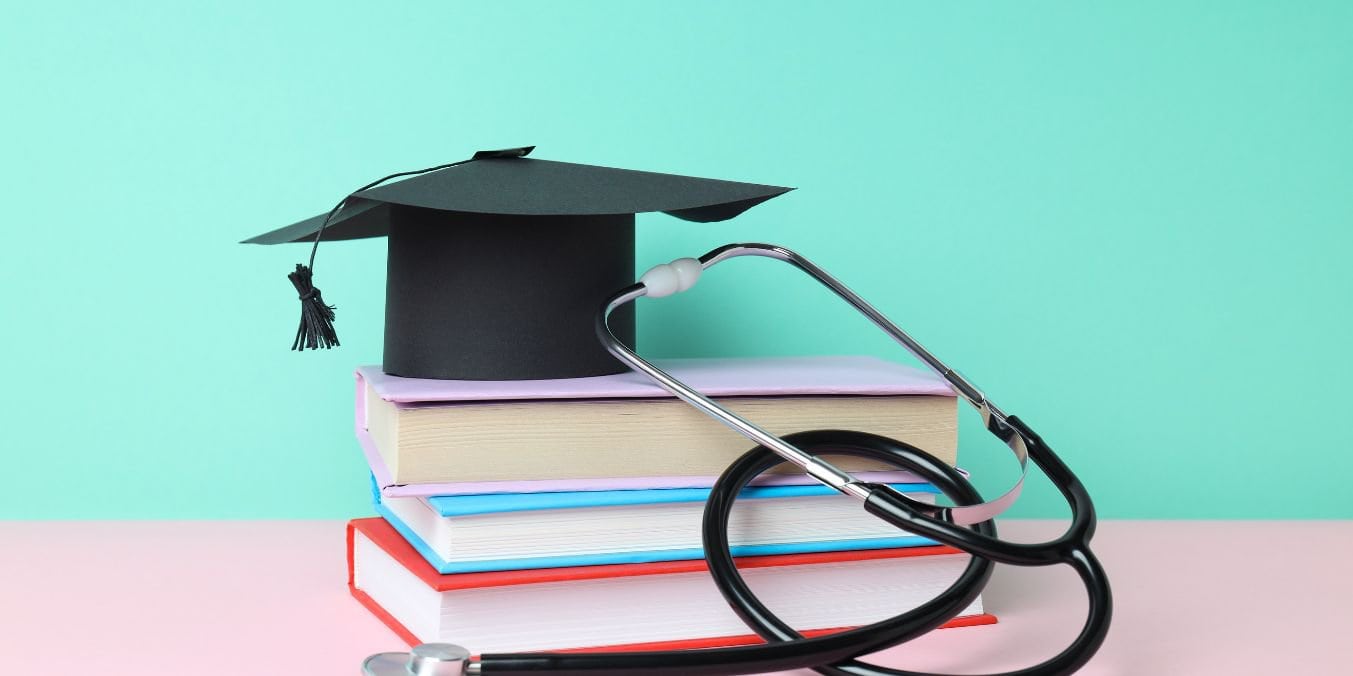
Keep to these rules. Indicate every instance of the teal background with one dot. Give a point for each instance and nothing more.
(1129, 223)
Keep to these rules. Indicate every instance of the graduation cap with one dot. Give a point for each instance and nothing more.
(498, 265)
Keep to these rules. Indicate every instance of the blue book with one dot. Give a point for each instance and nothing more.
(518, 531)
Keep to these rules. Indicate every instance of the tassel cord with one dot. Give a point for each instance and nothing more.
(314, 248)
(316, 329)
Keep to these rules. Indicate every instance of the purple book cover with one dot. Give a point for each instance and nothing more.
(721, 377)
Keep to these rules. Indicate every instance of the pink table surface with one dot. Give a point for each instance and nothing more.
(208, 598)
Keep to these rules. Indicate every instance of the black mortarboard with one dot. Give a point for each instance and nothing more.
(498, 265)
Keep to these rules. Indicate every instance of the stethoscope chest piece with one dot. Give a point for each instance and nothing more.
(428, 659)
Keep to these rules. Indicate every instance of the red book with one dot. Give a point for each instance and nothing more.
(648, 606)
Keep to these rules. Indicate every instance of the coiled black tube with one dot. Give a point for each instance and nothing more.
(947, 605)
(835, 654)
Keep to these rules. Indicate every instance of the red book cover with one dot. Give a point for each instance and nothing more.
(389, 540)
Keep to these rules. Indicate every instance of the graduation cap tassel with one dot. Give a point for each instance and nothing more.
(317, 319)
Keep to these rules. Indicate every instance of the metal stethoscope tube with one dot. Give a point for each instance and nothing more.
(967, 525)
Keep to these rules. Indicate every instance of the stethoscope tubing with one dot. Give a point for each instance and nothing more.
(928, 616)
(967, 526)
(834, 655)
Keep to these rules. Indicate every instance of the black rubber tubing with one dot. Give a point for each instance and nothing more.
(1070, 549)
(834, 654)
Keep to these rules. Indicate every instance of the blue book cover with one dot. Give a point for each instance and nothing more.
(467, 505)
(460, 506)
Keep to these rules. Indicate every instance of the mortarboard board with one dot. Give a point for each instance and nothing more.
(498, 265)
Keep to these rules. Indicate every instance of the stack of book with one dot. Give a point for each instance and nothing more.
(565, 514)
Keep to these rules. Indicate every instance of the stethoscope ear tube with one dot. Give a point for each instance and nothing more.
(681, 274)
(967, 525)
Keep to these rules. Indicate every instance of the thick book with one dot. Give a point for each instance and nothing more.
(418, 431)
(477, 533)
(653, 606)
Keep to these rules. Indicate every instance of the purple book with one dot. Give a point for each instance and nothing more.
(722, 377)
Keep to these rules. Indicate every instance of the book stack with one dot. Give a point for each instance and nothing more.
(565, 514)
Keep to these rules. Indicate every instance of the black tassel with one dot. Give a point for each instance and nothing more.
(317, 319)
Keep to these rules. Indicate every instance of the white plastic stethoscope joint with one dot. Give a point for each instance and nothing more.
(666, 279)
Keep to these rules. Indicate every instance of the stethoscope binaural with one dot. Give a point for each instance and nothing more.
(967, 526)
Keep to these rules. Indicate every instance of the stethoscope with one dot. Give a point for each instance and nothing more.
(967, 526)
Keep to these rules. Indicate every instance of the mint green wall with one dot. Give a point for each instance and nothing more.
(1129, 223)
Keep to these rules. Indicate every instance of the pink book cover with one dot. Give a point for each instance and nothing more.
(715, 377)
